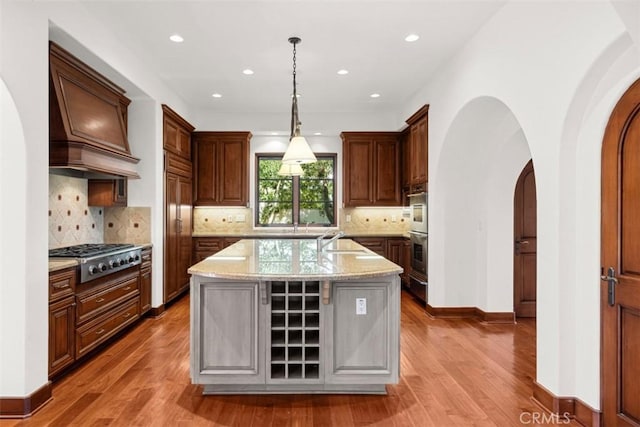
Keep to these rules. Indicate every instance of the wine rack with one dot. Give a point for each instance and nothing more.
(295, 330)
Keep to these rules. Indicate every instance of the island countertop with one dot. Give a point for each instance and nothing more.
(279, 259)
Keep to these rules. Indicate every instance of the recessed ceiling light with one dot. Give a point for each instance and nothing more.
(343, 72)
(412, 37)
(177, 38)
(375, 95)
(216, 95)
(318, 133)
(247, 72)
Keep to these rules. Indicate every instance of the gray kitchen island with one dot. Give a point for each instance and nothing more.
(284, 316)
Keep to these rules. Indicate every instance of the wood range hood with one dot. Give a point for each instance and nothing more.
(87, 121)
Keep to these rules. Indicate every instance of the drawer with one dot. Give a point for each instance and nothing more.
(91, 305)
(377, 245)
(146, 259)
(62, 284)
(208, 244)
(104, 327)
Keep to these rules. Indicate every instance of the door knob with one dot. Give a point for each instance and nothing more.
(611, 280)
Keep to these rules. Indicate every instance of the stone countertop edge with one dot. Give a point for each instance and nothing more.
(285, 235)
(241, 261)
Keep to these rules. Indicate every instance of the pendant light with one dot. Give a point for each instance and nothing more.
(298, 151)
(291, 170)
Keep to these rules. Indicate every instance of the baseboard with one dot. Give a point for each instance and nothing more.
(571, 406)
(23, 407)
(157, 311)
(469, 313)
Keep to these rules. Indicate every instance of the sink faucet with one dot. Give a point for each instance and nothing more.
(322, 243)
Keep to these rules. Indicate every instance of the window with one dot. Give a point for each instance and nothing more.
(286, 200)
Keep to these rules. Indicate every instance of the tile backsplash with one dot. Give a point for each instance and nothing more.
(71, 220)
(222, 220)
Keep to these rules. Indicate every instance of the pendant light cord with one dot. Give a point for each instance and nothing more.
(295, 122)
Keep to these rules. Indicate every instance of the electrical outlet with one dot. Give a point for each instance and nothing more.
(229, 218)
(361, 306)
(240, 218)
(394, 218)
(348, 218)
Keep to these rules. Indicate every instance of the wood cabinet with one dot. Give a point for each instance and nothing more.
(398, 251)
(221, 161)
(178, 190)
(107, 192)
(145, 281)
(418, 149)
(376, 244)
(176, 133)
(371, 168)
(204, 247)
(62, 320)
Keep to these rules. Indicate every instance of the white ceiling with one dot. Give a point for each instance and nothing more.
(365, 37)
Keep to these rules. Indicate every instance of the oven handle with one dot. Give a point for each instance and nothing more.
(417, 194)
(422, 236)
(412, 277)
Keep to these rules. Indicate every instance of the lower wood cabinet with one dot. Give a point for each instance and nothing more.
(399, 252)
(204, 247)
(145, 281)
(376, 244)
(295, 335)
(62, 327)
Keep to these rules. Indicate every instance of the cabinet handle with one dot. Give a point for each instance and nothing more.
(127, 288)
(126, 315)
(60, 285)
(100, 332)
(99, 300)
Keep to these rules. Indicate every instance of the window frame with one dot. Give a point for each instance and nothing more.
(295, 190)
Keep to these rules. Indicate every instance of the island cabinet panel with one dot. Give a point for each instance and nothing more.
(229, 323)
(362, 332)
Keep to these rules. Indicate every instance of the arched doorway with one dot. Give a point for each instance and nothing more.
(620, 263)
(525, 243)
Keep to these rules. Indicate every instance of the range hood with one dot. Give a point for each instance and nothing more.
(87, 121)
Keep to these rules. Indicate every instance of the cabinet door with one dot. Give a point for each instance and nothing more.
(228, 333)
(363, 332)
(184, 238)
(206, 159)
(232, 171)
(386, 170)
(61, 334)
(419, 151)
(145, 290)
(358, 172)
(171, 237)
(376, 244)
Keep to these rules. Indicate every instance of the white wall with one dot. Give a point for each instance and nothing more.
(550, 64)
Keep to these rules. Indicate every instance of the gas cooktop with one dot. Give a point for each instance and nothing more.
(87, 250)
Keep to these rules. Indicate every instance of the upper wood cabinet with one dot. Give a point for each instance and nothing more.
(371, 168)
(107, 192)
(221, 161)
(176, 133)
(418, 146)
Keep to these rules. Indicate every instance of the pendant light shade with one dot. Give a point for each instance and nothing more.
(290, 170)
(298, 151)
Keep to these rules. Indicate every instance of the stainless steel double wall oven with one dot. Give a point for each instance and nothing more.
(419, 235)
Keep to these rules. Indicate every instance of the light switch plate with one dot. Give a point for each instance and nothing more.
(240, 218)
(361, 306)
(348, 218)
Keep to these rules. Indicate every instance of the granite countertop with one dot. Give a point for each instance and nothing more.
(291, 235)
(281, 259)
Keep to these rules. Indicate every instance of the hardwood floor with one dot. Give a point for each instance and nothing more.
(454, 373)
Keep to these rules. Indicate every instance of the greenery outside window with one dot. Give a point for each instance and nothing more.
(283, 201)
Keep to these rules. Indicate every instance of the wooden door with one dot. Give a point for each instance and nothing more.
(206, 159)
(525, 245)
(358, 159)
(232, 169)
(620, 295)
(419, 151)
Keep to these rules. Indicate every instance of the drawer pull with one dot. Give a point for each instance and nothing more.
(100, 332)
(60, 285)
(99, 300)
(127, 288)
(126, 315)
